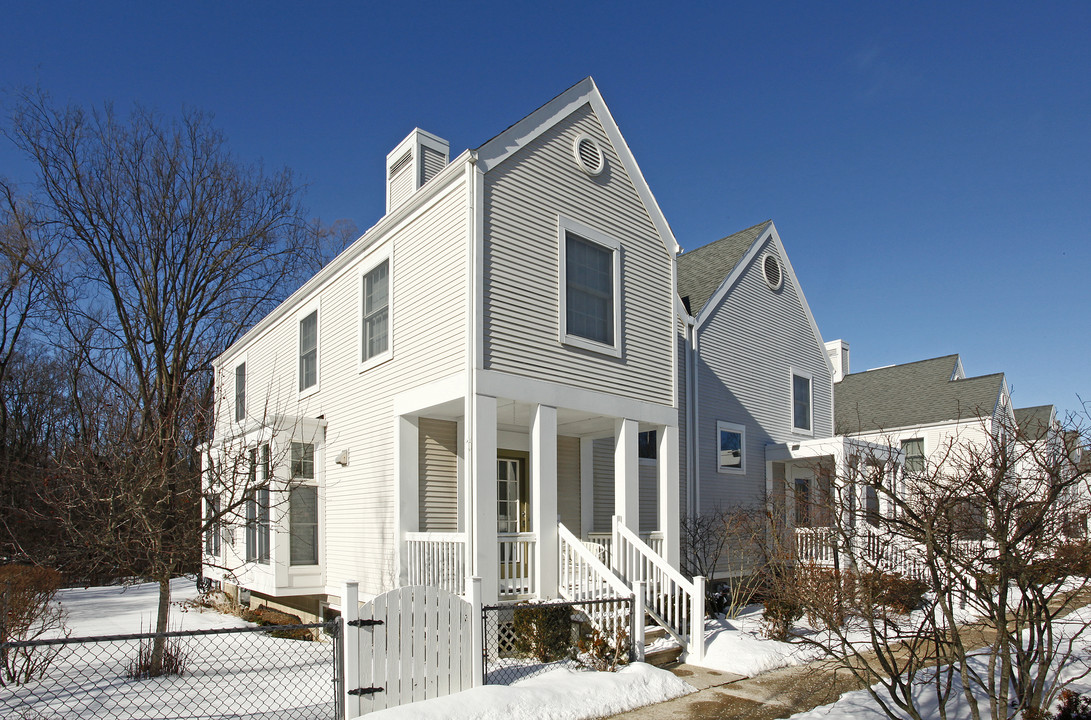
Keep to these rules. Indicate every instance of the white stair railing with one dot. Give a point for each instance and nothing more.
(583, 577)
(674, 602)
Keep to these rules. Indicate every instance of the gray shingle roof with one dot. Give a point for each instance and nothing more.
(913, 394)
(701, 271)
(1034, 422)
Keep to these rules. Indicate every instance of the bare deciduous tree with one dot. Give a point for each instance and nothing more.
(172, 247)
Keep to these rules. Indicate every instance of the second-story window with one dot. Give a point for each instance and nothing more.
(801, 402)
(240, 392)
(590, 288)
(308, 351)
(376, 311)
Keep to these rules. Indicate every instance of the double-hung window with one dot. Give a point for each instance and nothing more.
(590, 288)
(212, 524)
(730, 447)
(303, 507)
(375, 318)
(914, 455)
(257, 509)
(240, 392)
(308, 351)
(802, 408)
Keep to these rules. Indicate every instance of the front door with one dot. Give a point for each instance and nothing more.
(508, 508)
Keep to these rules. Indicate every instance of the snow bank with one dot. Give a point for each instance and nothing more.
(557, 695)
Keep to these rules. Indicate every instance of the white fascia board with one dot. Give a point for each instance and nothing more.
(733, 277)
(770, 234)
(424, 198)
(821, 447)
(526, 130)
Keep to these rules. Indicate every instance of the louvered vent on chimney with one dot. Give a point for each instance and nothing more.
(416, 160)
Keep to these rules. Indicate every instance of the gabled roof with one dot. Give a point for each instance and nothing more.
(913, 394)
(585, 92)
(1034, 423)
(702, 271)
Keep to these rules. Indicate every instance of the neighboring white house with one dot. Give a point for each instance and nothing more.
(758, 405)
(925, 408)
(462, 389)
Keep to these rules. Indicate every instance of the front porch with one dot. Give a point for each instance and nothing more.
(544, 502)
(829, 497)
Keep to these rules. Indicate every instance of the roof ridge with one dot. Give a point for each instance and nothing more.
(709, 244)
(902, 365)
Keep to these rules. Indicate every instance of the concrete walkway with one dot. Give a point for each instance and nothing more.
(775, 694)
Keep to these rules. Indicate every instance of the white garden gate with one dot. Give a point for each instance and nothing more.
(409, 644)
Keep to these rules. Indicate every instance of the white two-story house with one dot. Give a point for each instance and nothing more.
(428, 406)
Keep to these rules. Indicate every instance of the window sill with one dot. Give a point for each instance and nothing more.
(374, 361)
(596, 347)
(731, 471)
(312, 390)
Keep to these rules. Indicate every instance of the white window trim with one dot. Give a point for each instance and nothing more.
(736, 428)
(240, 359)
(792, 373)
(312, 307)
(370, 262)
(564, 226)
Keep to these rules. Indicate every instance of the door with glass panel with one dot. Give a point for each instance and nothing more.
(515, 547)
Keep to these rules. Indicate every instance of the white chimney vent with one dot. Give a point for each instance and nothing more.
(838, 352)
(415, 161)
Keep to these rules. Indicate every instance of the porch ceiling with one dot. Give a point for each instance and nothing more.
(516, 417)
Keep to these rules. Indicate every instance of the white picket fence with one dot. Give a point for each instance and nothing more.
(409, 644)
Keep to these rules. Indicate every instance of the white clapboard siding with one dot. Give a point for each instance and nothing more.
(438, 475)
(420, 649)
(568, 480)
(523, 198)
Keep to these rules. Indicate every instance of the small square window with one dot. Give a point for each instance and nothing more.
(302, 460)
(308, 351)
(802, 416)
(730, 447)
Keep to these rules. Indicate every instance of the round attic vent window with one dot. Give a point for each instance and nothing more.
(770, 267)
(588, 155)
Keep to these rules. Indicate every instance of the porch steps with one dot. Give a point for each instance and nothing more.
(660, 649)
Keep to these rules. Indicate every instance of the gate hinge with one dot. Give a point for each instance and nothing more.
(365, 691)
(362, 622)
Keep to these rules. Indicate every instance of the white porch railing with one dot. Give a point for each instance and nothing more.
(438, 560)
(814, 546)
(603, 541)
(516, 553)
(583, 576)
(673, 602)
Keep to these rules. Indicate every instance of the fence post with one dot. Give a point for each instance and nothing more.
(350, 610)
(636, 648)
(697, 620)
(477, 647)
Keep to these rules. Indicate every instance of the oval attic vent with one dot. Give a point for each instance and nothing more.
(770, 267)
(589, 155)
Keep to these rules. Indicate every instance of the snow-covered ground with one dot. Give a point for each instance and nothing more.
(233, 675)
(251, 674)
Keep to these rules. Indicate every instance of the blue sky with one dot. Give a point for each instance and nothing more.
(928, 165)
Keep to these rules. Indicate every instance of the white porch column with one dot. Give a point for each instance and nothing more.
(587, 487)
(667, 465)
(543, 498)
(484, 558)
(406, 438)
(627, 474)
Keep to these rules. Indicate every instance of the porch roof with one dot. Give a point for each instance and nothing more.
(838, 447)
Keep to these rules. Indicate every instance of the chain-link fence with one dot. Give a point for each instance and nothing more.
(276, 672)
(527, 639)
